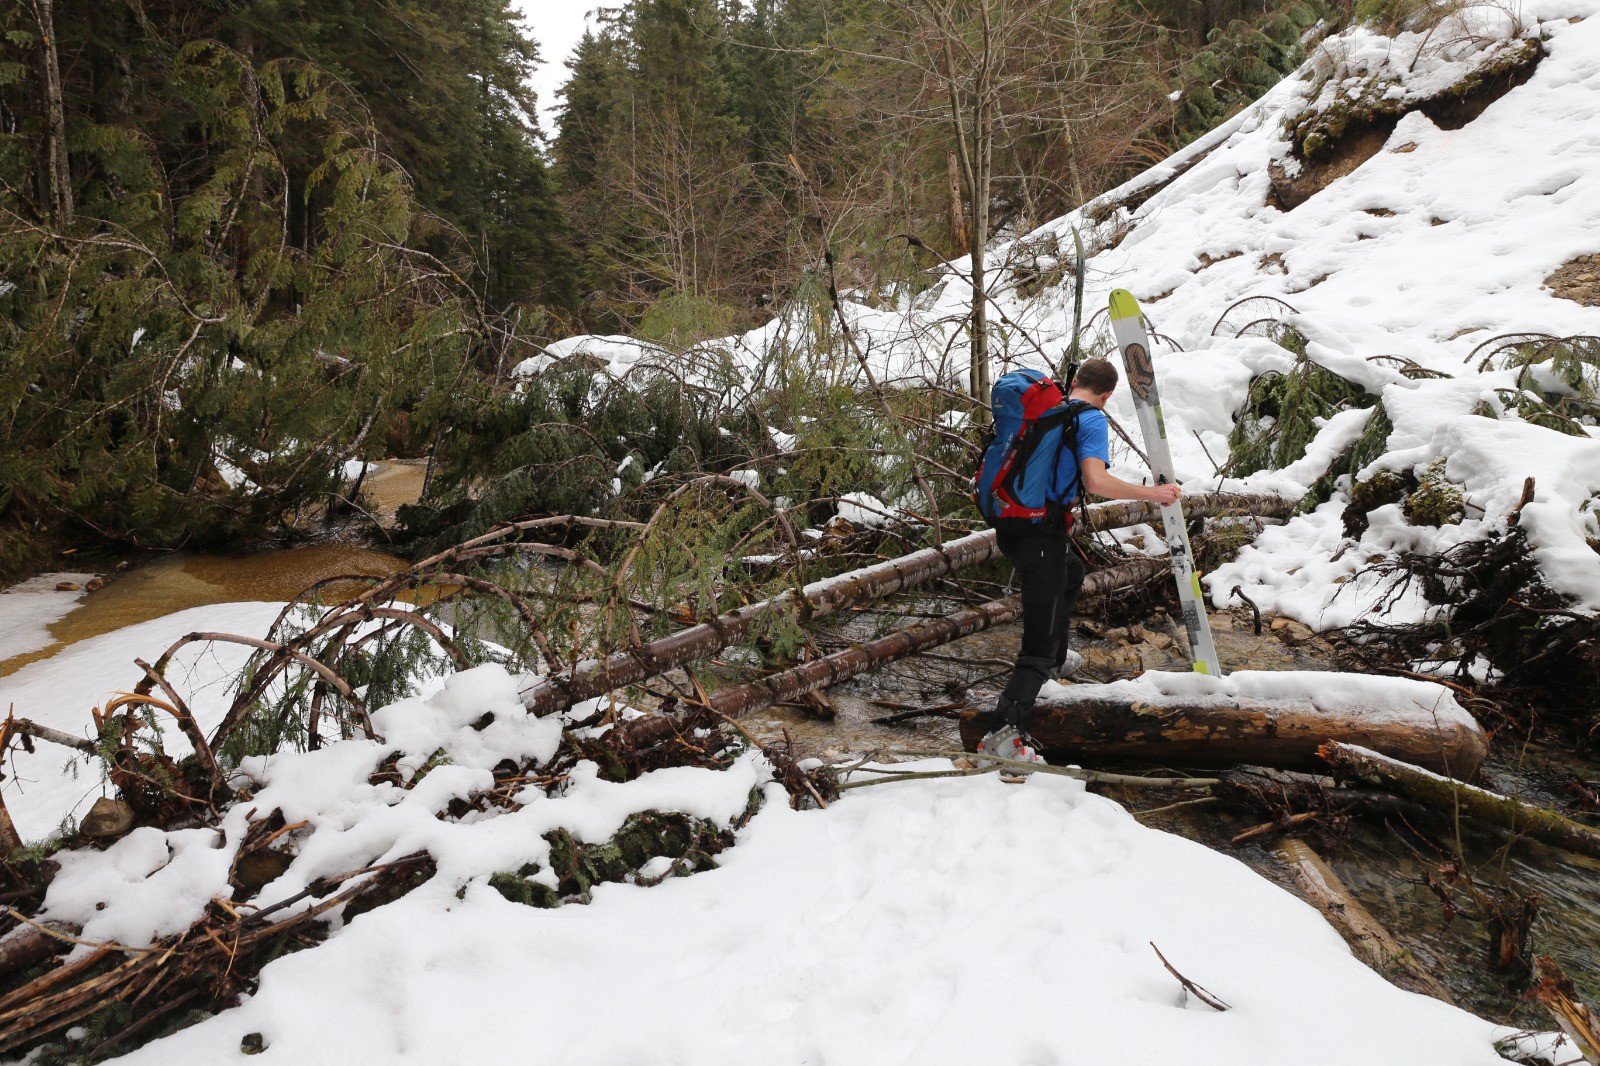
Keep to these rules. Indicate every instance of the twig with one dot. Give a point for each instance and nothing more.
(1279, 826)
(1205, 997)
(1175, 806)
(70, 939)
(1238, 590)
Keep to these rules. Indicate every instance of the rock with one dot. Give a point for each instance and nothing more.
(107, 819)
(1291, 632)
(67, 586)
(259, 868)
(1155, 640)
(1105, 662)
(94, 583)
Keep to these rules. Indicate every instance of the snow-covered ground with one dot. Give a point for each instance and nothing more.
(54, 783)
(932, 922)
(28, 607)
(947, 921)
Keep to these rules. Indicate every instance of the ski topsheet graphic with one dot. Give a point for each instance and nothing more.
(1127, 325)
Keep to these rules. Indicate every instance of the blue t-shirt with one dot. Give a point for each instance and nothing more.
(1094, 442)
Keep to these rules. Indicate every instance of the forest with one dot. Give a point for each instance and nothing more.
(244, 244)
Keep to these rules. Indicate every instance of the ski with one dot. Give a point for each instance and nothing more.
(1133, 340)
(1074, 353)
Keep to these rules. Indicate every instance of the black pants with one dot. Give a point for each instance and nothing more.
(1050, 577)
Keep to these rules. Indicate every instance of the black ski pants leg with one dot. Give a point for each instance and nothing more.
(1050, 577)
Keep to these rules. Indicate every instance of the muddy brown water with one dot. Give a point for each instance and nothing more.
(181, 581)
(185, 580)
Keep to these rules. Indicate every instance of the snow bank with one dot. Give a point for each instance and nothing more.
(934, 922)
(29, 607)
(55, 783)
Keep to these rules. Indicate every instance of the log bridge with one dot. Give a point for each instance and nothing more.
(1198, 728)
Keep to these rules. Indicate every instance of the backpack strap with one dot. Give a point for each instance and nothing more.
(1069, 439)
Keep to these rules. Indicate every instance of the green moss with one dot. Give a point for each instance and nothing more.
(517, 888)
(1384, 487)
(1436, 502)
(644, 836)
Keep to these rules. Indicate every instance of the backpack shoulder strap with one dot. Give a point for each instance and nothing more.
(1069, 439)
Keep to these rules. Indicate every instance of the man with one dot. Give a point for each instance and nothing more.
(1049, 574)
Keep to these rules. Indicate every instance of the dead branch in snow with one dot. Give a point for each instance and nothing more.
(831, 669)
(560, 690)
(1189, 986)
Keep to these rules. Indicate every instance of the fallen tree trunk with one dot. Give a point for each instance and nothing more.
(30, 943)
(561, 690)
(1366, 936)
(1134, 721)
(1507, 812)
(1280, 793)
(831, 669)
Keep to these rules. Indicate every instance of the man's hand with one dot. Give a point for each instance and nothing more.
(1164, 495)
(1098, 480)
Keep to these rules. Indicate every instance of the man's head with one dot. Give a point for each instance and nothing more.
(1095, 381)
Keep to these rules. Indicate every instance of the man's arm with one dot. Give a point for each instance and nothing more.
(1098, 480)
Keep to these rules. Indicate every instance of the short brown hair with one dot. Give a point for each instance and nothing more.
(1096, 376)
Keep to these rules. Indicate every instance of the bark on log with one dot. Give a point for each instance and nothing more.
(1094, 722)
(1507, 812)
(831, 669)
(25, 946)
(1366, 936)
(561, 690)
(1262, 789)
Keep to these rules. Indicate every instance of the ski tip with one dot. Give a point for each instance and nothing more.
(1123, 305)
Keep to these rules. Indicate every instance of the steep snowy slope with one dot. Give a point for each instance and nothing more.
(1391, 209)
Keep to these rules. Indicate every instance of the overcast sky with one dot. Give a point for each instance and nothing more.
(556, 25)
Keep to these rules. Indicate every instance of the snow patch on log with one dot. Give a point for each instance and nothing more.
(1378, 699)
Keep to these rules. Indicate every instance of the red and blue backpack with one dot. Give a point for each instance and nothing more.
(1016, 483)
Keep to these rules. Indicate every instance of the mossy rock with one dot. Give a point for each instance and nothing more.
(644, 836)
(1318, 136)
(518, 888)
(1384, 487)
(1436, 502)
